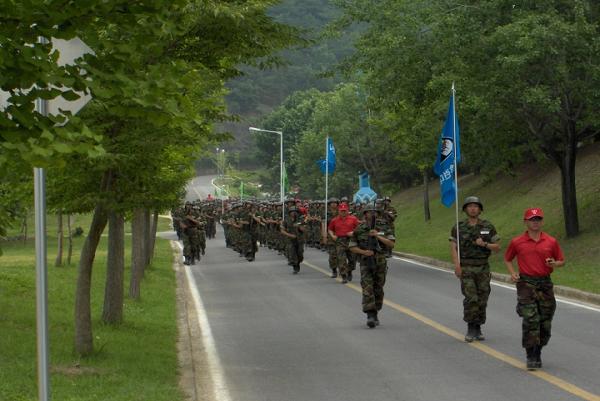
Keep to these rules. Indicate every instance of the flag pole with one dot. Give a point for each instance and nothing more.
(326, 181)
(455, 170)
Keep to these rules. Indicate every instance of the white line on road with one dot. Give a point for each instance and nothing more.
(221, 393)
(503, 285)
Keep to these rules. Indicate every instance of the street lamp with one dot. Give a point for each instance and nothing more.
(280, 165)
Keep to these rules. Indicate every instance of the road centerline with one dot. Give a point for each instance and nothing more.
(556, 381)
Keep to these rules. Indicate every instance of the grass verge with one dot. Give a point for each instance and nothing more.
(134, 361)
(505, 199)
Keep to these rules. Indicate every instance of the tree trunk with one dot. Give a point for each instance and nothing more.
(70, 240)
(115, 267)
(138, 260)
(24, 228)
(60, 237)
(84, 343)
(152, 237)
(569, 192)
(426, 209)
(147, 231)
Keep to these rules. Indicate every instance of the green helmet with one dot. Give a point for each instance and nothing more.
(369, 208)
(472, 199)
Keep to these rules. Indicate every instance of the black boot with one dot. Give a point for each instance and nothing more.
(296, 268)
(371, 319)
(334, 273)
(186, 261)
(376, 318)
(538, 356)
(344, 279)
(349, 276)
(531, 358)
(478, 334)
(471, 333)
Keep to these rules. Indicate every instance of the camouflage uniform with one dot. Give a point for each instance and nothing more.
(476, 276)
(536, 305)
(373, 269)
(331, 247)
(295, 246)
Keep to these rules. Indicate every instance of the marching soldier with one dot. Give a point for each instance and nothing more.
(538, 254)
(369, 242)
(478, 239)
(340, 229)
(293, 228)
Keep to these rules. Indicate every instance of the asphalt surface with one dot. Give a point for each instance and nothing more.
(200, 187)
(278, 336)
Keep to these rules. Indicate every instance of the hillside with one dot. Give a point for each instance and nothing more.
(505, 198)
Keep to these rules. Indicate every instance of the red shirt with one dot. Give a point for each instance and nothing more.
(341, 227)
(532, 255)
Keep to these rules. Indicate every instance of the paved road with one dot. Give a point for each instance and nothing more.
(271, 335)
(200, 187)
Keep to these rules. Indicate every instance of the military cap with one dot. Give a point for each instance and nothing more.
(472, 199)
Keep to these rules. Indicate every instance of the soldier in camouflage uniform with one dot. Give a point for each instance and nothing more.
(293, 229)
(478, 239)
(332, 204)
(369, 242)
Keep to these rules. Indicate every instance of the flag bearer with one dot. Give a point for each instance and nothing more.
(478, 239)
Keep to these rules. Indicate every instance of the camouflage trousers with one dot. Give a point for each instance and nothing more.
(295, 252)
(346, 261)
(332, 254)
(536, 305)
(372, 280)
(475, 287)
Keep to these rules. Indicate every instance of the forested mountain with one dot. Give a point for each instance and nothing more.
(259, 91)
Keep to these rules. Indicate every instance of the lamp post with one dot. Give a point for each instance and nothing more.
(281, 194)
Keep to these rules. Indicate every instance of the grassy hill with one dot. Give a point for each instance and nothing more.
(505, 198)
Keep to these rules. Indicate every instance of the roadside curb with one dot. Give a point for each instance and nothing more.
(566, 292)
(194, 380)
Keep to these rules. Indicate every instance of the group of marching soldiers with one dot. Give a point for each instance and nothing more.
(194, 223)
(350, 232)
(249, 225)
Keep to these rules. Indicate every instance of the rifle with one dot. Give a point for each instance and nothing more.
(372, 244)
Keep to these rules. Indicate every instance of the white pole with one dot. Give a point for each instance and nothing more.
(455, 170)
(326, 178)
(281, 176)
(41, 268)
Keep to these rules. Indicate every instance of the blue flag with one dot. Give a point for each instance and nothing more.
(448, 149)
(330, 158)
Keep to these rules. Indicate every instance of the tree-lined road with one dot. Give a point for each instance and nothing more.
(278, 336)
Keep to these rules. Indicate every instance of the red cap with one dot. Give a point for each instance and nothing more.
(343, 206)
(533, 212)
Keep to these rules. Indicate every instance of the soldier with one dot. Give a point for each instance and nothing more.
(369, 241)
(478, 239)
(390, 214)
(340, 229)
(328, 241)
(538, 254)
(293, 228)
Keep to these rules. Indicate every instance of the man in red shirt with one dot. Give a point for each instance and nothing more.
(538, 254)
(341, 229)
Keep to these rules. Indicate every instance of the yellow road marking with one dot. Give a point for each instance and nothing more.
(560, 383)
